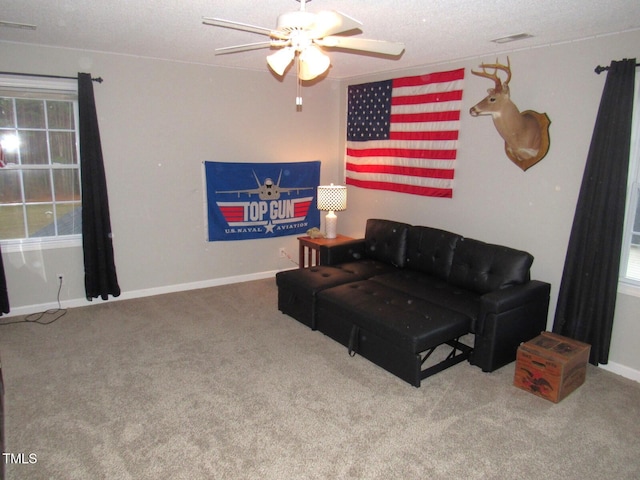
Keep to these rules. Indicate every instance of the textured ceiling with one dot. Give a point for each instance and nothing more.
(433, 31)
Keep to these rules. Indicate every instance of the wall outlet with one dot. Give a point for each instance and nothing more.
(60, 278)
(282, 253)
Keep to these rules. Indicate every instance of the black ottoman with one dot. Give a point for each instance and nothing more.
(297, 290)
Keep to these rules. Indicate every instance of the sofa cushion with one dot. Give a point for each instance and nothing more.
(483, 267)
(433, 290)
(386, 241)
(430, 250)
(366, 268)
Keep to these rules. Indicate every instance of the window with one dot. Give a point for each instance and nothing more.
(630, 259)
(40, 199)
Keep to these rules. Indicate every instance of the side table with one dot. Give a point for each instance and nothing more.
(309, 249)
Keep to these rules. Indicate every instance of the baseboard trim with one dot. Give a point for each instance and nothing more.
(622, 370)
(147, 292)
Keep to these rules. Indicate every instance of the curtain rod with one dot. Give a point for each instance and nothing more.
(599, 69)
(98, 79)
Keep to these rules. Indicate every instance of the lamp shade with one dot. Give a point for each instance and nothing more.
(313, 63)
(332, 198)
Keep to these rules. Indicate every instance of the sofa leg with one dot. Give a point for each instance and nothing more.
(452, 359)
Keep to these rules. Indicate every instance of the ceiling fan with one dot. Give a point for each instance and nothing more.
(300, 35)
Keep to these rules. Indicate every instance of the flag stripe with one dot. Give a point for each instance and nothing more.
(407, 162)
(423, 127)
(439, 77)
(404, 179)
(395, 127)
(427, 98)
(403, 152)
(437, 88)
(402, 188)
(422, 135)
(425, 117)
(402, 170)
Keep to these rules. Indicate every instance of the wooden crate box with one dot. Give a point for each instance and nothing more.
(551, 366)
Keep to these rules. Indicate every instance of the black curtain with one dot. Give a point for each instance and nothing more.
(4, 295)
(100, 277)
(587, 297)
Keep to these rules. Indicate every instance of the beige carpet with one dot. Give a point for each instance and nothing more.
(218, 384)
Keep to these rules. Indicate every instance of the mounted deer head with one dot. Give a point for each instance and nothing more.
(526, 134)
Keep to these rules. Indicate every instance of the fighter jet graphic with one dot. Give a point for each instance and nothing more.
(267, 190)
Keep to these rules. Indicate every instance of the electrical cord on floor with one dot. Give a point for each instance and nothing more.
(56, 314)
(289, 257)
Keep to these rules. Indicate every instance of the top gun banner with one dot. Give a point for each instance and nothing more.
(261, 200)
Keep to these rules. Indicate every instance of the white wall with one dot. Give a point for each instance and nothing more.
(494, 200)
(159, 121)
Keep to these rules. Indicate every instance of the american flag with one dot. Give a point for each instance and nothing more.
(402, 134)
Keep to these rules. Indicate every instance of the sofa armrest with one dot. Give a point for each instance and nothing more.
(506, 299)
(507, 318)
(350, 251)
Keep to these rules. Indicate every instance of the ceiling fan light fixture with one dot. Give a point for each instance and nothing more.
(280, 60)
(300, 34)
(313, 63)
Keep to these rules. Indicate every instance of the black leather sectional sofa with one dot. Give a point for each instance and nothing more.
(402, 291)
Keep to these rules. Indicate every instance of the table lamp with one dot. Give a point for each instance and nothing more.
(332, 198)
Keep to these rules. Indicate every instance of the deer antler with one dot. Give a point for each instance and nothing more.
(494, 76)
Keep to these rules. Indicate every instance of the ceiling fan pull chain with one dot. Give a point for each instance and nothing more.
(298, 84)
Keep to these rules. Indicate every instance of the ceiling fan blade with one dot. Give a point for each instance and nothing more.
(243, 48)
(362, 44)
(219, 22)
(332, 22)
